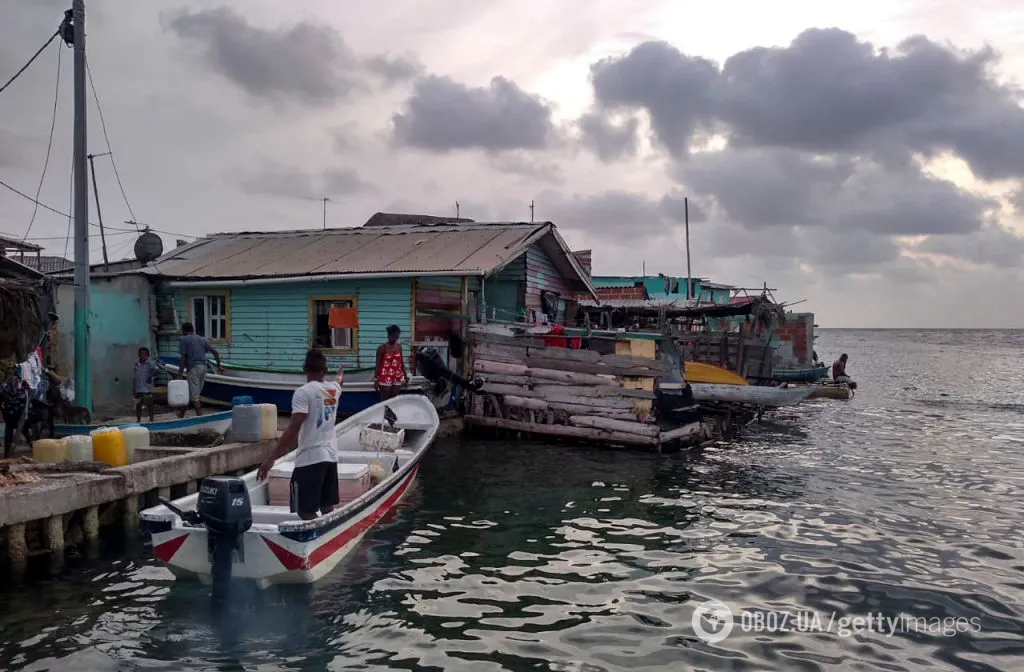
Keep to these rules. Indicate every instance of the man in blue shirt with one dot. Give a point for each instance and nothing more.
(193, 350)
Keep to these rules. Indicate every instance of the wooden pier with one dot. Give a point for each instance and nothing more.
(540, 389)
(40, 520)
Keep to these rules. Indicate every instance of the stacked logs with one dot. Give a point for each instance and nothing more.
(560, 391)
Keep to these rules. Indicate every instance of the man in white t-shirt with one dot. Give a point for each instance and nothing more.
(314, 485)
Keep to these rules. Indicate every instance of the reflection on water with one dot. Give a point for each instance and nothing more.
(903, 501)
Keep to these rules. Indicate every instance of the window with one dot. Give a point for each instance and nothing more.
(210, 316)
(324, 337)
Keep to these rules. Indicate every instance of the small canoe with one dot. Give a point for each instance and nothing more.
(699, 372)
(752, 395)
(281, 548)
(811, 374)
(210, 422)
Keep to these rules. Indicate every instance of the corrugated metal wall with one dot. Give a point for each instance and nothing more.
(504, 291)
(270, 324)
(541, 274)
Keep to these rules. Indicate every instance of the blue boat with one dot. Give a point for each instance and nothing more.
(276, 386)
(211, 422)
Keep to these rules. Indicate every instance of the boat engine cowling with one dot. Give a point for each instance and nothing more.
(225, 509)
(430, 364)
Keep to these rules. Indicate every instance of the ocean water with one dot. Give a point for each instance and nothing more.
(883, 533)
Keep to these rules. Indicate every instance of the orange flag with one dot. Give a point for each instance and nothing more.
(343, 318)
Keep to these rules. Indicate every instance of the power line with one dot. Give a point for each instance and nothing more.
(103, 125)
(49, 146)
(34, 57)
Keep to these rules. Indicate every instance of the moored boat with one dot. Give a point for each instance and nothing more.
(278, 547)
(270, 386)
(752, 395)
(210, 422)
(810, 374)
(699, 372)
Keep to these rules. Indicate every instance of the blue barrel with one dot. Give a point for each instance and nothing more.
(241, 401)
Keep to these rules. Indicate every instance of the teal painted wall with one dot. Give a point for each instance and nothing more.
(119, 324)
(502, 291)
(270, 324)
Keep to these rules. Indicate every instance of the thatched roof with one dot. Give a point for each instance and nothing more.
(21, 320)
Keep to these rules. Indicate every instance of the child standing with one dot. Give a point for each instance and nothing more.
(145, 370)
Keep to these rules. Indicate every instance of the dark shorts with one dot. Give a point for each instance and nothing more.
(146, 399)
(314, 487)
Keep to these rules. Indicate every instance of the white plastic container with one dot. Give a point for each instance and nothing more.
(376, 439)
(268, 421)
(177, 392)
(80, 448)
(247, 423)
(135, 438)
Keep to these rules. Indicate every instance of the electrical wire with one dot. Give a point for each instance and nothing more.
(49, 146)
(34, 57)
(106, 138)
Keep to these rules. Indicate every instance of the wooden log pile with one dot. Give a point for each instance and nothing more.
(559, 391)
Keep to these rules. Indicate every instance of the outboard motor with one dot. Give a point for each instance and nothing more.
(432, 366)
(225, 510)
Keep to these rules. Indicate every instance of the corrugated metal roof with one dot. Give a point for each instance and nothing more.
(638, 303)
(403, 250)
(49, 264)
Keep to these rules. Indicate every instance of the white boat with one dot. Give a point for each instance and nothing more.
(753, 395)
(279, 547)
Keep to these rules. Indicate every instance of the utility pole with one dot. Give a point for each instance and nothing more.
(99, 215)
(325, 199)
(531, 212)
(686, 219)
(456, 209)
(83, 375)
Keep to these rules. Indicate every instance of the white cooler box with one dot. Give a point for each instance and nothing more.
(353, 482)
(375, 439)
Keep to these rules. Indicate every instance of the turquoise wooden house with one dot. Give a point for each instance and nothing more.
(662, 289)
(263, 298)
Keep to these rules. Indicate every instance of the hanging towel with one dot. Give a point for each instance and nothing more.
(343, 318)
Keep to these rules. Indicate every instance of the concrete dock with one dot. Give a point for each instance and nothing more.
(39, 521)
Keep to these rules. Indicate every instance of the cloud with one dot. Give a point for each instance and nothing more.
(518, 163)
(304, 62)
(443, 115)
(827, 92)
(993, 245)
(608, 140)
(1017, 200)
(276, 179)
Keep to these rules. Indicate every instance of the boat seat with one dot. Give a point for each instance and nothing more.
(272, 515)
(410, 424)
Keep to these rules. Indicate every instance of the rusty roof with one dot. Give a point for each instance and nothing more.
(403, 250)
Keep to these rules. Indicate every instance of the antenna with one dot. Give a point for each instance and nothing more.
(531, 212)
(456, 209)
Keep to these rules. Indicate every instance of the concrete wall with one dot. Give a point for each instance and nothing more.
(119, 324)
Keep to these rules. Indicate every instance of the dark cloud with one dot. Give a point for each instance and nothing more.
(609, 141)
(677, 91)
(618, 215)
(275, 179)
(304, 62)
(394, 69)
(444, 115)
(993, 245)
(679, 208)
(827, 92)
(780, 187)
(518, 163)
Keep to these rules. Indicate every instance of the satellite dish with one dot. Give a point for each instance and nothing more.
(148, 247)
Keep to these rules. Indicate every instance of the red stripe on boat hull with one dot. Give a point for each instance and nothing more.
(165, 551)
(291, 561)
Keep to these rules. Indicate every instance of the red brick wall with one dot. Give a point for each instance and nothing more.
(606, 293)
(796, 331)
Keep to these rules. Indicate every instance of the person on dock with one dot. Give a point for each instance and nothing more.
(193, 350)
(839, 369)
(314, 484)
(390, 374)
(145, 371)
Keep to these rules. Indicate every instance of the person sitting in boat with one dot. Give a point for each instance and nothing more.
(390, 374)
(839, 369)
(193, 350)
(310, 432)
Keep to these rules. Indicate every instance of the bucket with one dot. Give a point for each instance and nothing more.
(80, 448)
(134, 438)
(50, 450)
(241, 401)
(268, 421)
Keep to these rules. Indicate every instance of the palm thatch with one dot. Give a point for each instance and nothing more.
(21, 324)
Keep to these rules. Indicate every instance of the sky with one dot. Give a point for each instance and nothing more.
(864, 159)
